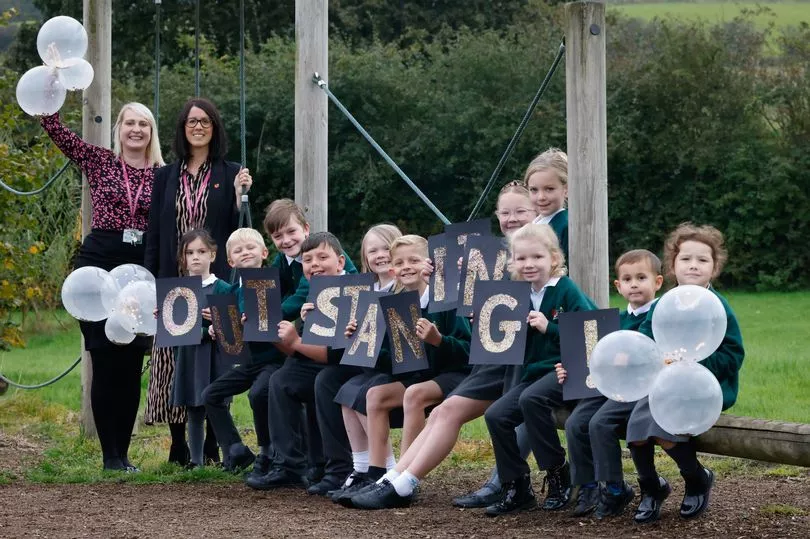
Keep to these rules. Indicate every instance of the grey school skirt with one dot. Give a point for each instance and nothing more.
(484, 383)
(641, 426)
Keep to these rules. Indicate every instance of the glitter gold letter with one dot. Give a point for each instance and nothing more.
(591, 338)
(367, 332)
(476, 269)
(439, 257)
(508, 327)
(324, 304)
(400, 329)
(168, 311)
(234, 348)
(261, 287)
(354, 293)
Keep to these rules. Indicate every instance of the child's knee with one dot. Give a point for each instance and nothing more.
(416, 398)
(374, 399)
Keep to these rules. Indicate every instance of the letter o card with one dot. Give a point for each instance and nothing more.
(179, 302)
(499, 328)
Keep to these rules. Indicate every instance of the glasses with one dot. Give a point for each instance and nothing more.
(204, 122)
(520, 213)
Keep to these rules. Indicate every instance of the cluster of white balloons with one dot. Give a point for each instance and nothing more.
(125, 296)
(61, 43)
(689, 323)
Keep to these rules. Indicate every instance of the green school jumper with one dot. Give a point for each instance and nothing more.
(543, 350)
(559, 223)
(726, 361)
(632, 322)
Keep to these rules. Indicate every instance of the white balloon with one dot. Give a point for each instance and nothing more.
(116, 331)
(129, 273)
(83, 290)
(61, 39)
(40, 91)
(624, 365)
(689, 322)
(686, 399)
(77, 76)
(135, 307)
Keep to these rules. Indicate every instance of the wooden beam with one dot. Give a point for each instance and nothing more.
(95, 130)
(587, 148)
(748, 438)
(311, 117)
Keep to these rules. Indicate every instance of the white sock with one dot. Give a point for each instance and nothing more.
(389, 476)
(390, 461)
(360, 459)
(405, 483)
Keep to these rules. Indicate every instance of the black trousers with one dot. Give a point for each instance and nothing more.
(580, 440)
(336, 448)
(115, 394)
(607, 427)
(250, 376)
(295, 437)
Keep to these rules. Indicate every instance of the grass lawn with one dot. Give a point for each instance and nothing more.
(773, 386)
(781, 14)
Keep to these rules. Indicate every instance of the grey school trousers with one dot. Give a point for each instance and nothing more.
(607, 427)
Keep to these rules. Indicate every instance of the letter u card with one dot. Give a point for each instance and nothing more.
(180, 301)
(262, 304)
(499, 328)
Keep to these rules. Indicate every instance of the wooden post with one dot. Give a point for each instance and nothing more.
(95, 130)
(311, 119)
(587, 148)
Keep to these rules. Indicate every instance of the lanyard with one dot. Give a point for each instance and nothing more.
(133, 206)
(192, 205)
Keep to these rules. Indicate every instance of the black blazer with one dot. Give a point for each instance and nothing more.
(221, 218)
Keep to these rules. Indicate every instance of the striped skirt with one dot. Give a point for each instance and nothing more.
(159, 407)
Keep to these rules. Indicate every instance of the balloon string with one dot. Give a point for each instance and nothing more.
(55, 57)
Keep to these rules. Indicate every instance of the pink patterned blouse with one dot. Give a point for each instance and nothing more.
(111, 208)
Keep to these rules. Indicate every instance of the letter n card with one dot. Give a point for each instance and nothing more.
(180, 301)
(262, 295)
(485, 259)
(579, 333)
(499, 328)
(401, 312)
(453, 240)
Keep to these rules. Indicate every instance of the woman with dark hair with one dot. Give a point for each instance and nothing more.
(198, 190)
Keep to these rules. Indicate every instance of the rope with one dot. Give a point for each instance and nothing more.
(43, 384)
(518, 133)
(242, 123)
(325, 87)
(197, 48)
(157, 64)
(35, 191)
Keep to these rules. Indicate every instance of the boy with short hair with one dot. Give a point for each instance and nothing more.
(294, 383)
(246, 249)
(595, 451)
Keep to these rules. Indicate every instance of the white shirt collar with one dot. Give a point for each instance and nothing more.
(423, 301)
(641, 310)
(386, 288)
(291, 259)
(540, 220)
(537, 297)
(210, 280)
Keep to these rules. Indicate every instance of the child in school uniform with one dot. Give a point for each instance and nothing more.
(246, 249)
(447, 341)
(535, 250)
(293, 385)
(546, 178)
(197, 365)
(537, 258)
(594, 442)
(693, 255)
(376, 259)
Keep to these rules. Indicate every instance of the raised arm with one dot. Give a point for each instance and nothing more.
(87, 156)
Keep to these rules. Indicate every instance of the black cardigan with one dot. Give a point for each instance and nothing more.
(221, 218)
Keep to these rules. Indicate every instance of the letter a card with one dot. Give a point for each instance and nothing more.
(579, 333)
(320, 327)
(499, 328)
(262, 295)
(363, 347)
(179, 301)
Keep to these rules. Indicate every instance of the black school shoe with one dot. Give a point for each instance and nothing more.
(519, 496)
(612, 505)
(381, 496)
(327, 484)
(653, 494)
(559, 488)
(354, 478)
(240, 458)
(277, 477)
(587, 501)
(360, 485)
(698, 489)
(261, 466)
(313, 475)
(483, 497)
